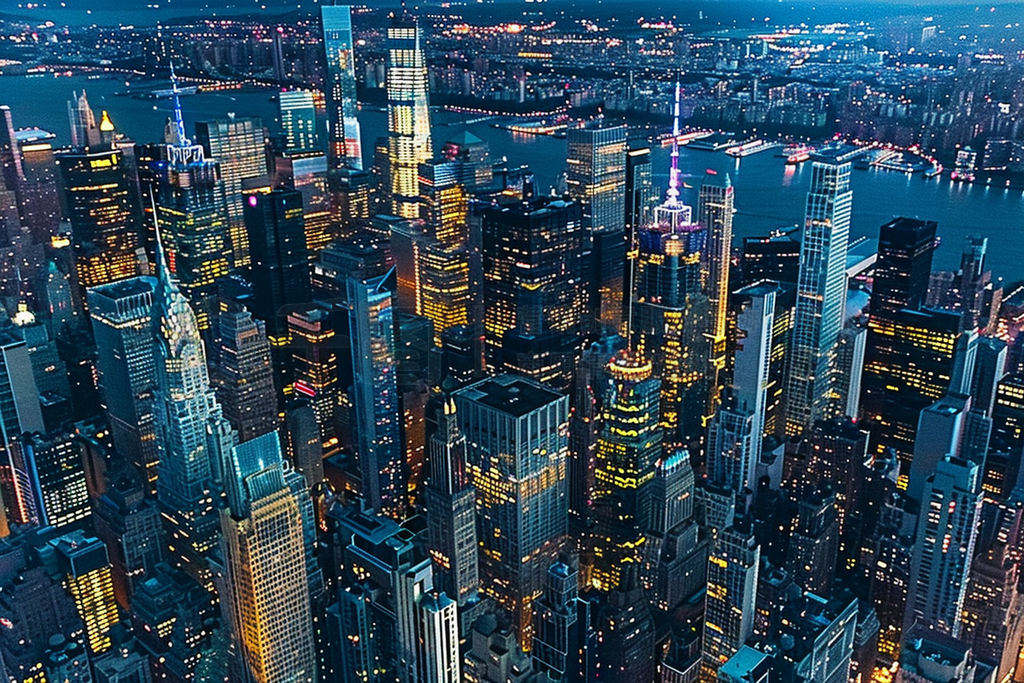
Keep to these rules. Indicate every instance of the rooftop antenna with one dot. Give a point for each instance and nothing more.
(179, 122)
(673, 178)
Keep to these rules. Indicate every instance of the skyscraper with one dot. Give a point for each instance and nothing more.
(122, 325)
(298, 120)
(517, 447)
(21, 413)
(57, 472)
(733, 445)
(627, 454)
(450, 502)
(378, 415)
(280, 265)
(237, 144)
(184, 408)
(640, 193)
(345, 149)
(714, 211)
(98, 200)
(905, 250)
(409, 142)
(596, 178)
(242, 373)
(753, 360)
(821, 295)
(731, 594)
(265, 553)
(84, 563)
(190, 203)
(946, 532)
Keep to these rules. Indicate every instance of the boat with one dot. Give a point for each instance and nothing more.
(934, 171)
(751, 147)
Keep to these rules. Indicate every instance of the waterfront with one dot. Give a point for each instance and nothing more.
(769, 194)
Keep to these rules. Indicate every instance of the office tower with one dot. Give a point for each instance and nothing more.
(641, 196)
(927, 656)
(188, 192)
(714, 212)
(265, 558)
(314, 348)
(774, 257)
(733, 445)
(450, 502)
(814, 545)
(971, 280)
(821, 295)
(990, 367)
(122, 325)
(185, 407)
(66, 661)
(470, 159)
(128, 521)
(676, 552)
(298, 120)
(533, 291)
(625, 632)
(378, 416)
(345, 149)
(1008, 413)
(238, 146)
(596, 178)
(280, 264)
(908, 365)
(752, 365)
(241, 372)
(946, 533)
(98, 200)
(838, 452)
(628, 449)
(57, 472)
(562, 632)
(408, 114)
(905, 250)
(445, 196)
(521, 499)
(940, 430)
(731, 594)
(86, 569)
(302, 440)
(849, 362)
(390, 623)
(22, 414)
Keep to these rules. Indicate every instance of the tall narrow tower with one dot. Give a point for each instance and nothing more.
(821, 294)
(343, 126)
(409, 142)
(715, 208)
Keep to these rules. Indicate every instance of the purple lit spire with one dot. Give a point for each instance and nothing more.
(673, 178)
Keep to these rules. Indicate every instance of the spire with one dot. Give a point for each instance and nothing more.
(672, 197)
(179, 122)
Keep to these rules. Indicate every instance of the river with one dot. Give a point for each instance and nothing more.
(769, 194)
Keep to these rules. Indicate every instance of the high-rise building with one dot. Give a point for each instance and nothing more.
(533, 291)
(947, 529)
(185, 408)
(315, 366)
(522, 499)
(242, 373)
(265, 552)
(21, 413)
(345, 148)
(445, 209)
(904, 266)
(1008, 413)
(563, 636)
(774, 257)
(298, 120)
(821, 294)
(641, 196)
(908, 365)
(409, 143)
(98, 200)
(238, 146)
(731, 596)
(378, 414)
(733, 444)
(87, 576)
(57, 472)
(927, 656)
(84, 132)
(849, 367)
(814, 544)
(753, 361)
(122, 325)
(596, 178)
(450, 502)
(280, 266)
(627, 454)
(390, 623)
(188, 193)
(714, 211)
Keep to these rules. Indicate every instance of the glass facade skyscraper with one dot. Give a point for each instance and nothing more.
(409, 142)
(345, 149)
(821, 294)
